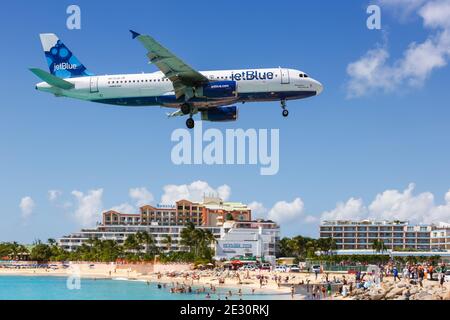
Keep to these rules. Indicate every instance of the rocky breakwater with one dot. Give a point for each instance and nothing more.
(403, 291)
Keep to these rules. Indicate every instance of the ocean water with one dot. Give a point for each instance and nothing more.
(57, 288)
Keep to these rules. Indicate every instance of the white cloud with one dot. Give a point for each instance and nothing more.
(372, 72)
(27, 206)
(436, 14)
(54, 194)
(311, 219)
(394, 205)
(353, 209)
(141, 195)
(124, 208)
(258, 210)
(284, 211)
(89, 207)
(193, 192)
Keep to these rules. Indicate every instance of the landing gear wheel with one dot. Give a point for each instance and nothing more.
(190, 123)
(186, 108)
(283, 106)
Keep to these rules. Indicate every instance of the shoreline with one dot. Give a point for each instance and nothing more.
(247, 282)
(247, 286)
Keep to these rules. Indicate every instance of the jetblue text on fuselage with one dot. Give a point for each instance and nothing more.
(251, 75)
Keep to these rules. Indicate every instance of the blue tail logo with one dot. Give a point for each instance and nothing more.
(61, 61)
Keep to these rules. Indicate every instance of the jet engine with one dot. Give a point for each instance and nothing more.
(220, 114)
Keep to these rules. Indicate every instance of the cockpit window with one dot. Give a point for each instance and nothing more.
(303, 75)
(306, 76)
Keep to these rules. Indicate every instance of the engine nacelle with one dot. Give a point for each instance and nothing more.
(220, 114)
(218, 90)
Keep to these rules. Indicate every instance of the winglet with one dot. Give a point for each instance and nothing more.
(134, 34)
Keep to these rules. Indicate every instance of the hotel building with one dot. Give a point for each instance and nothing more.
(440, 237)
(212, 211)
(360, 235)
(238, 237)
(396, 235)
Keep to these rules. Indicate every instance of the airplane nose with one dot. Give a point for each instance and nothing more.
(319, 87)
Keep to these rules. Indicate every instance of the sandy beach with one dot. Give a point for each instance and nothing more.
(248, 281)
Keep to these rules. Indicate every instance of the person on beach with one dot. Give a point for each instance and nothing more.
(395, 273)
(292, 292)
(441, 279)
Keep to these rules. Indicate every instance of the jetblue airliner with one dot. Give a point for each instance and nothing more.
(176, 85)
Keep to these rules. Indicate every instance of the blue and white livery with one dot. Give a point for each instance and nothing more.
(175, 85)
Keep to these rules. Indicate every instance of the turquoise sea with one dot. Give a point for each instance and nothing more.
(56, 288)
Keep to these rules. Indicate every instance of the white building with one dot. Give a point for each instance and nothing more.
(120, 232)
(248, 239)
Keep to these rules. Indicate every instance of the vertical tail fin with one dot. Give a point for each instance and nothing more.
(61, 61)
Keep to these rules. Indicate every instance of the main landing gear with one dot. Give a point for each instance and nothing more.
(285, 111)
(190, 123)
(187, 109)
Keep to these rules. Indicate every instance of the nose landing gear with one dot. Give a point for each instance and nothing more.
(285, 111)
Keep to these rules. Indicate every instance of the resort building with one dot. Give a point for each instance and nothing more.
(211, 212)
(360, 235)
(440, 237)
(229, 222)
(119, 233)
(258, 239)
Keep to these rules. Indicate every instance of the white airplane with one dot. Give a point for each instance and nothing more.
(176, 85)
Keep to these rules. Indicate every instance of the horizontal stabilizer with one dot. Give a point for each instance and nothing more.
(52, 80)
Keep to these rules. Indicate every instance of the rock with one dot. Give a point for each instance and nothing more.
(378, 296)
(401, 285)
(447, 296)
(423, 295)
(394, 293)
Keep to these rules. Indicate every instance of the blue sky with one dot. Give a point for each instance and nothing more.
(332, 148)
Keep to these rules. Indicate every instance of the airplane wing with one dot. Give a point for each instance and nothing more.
(183, 77)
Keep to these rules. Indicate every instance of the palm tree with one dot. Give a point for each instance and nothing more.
(188, 237)
(378, 246)
(131, 244)
(146, 240)
(167, 241)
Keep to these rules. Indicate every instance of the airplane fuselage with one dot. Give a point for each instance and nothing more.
(154, 89)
